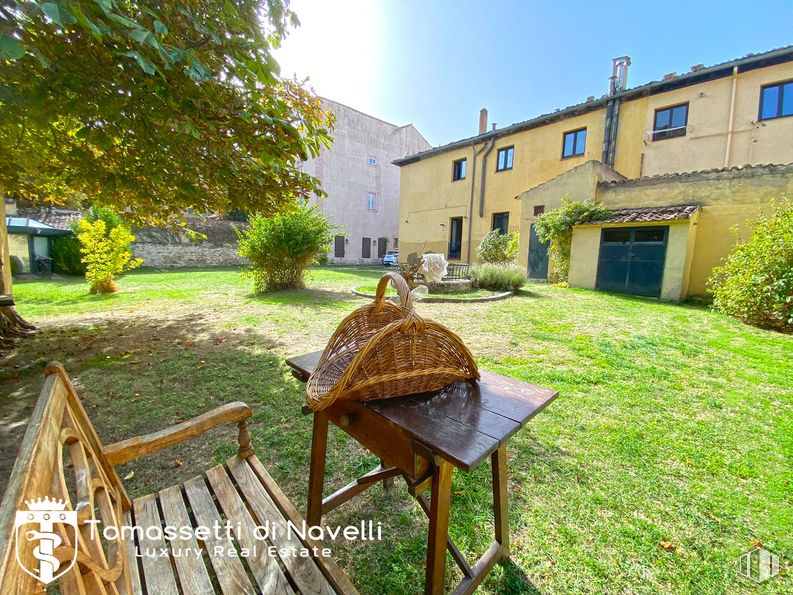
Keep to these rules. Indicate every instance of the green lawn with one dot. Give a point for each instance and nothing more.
(674, 424)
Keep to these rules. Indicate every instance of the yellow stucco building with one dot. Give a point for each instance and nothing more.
(712, 118)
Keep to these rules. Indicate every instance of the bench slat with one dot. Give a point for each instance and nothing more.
(132, 561)
(192, 572)
(157, 572)
(229, 571)
(304, 571)
(338, 579)
(263, 566)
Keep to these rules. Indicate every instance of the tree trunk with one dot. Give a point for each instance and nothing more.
(12, 325)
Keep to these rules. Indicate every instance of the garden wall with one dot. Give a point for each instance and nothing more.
(164, 248)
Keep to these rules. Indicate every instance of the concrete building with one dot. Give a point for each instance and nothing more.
(718, 117)
(362, 183)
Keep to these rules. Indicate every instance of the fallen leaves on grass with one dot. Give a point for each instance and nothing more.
(668, 546)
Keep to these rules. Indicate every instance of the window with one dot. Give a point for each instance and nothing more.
(396, 243)
(776, 101)
(458, 169)
(338, 251)
(371, 160)
(371, 202)
(455, 237)
(539, 210)
(670, 122)
(501, 222)
(574, 143)
(366, 247)
(382, 246)
(505, 157)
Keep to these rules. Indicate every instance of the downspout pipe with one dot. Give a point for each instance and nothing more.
(728, 148)
(484, 173)
(476, 153)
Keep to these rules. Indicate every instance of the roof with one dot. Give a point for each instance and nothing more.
(26, 225)
(748, 62)
(648, 214)
(52, 217)
(735, 171)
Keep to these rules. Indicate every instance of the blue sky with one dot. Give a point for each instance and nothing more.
(435, 63)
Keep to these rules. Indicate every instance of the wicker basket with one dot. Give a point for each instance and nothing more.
(386, 350)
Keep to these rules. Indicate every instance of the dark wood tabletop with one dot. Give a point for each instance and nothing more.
(464, 422)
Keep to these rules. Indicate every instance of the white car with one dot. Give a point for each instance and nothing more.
(391, 257)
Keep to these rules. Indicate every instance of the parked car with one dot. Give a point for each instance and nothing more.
(391, 257)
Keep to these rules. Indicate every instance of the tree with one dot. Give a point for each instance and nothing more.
(556, 227)
(755, 283)
(280, 247)
(105, 249)
(154, 107)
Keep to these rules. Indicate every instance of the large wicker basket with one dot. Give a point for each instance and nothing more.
(388, 350)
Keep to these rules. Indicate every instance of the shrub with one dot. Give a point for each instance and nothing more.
(498, 277)
(498, 248)
(756, 282)
(280, 247)
(556, 227)
(66, 256)
(105, 253)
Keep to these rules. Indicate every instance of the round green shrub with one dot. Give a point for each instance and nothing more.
(498, 277)
(756, 282)
(498, 248)
(280, 247)
(66, 257)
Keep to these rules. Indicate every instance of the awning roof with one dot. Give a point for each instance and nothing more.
(26, 225)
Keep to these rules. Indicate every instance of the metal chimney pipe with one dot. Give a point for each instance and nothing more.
(482, 120)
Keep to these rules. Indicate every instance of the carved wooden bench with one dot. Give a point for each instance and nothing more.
(62, 458)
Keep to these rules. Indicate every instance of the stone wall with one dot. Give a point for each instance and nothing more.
(164, 248)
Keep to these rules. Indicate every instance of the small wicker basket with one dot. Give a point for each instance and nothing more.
(387, 350)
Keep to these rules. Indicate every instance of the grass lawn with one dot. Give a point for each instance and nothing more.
(674, 424)
(391, 292)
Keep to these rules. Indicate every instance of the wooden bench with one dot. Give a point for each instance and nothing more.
(61, 457)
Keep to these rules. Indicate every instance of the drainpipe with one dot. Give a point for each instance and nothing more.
(476, 153)
(730, 120)
(484, 173)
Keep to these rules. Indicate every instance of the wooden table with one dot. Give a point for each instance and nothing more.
(423, 438)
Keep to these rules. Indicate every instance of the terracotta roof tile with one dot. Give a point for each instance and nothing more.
(647, 214)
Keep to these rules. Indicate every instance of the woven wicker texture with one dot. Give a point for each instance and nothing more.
(386, 350)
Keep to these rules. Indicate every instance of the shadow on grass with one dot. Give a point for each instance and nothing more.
(317, 297)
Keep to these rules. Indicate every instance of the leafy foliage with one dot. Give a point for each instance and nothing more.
(105, 253)
(66, 256)
(556, 227)
(280, 247)
(498, 248)
(499, 277)
(756, 282)
(154, 108)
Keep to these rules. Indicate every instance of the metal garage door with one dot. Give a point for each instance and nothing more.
(631, 260)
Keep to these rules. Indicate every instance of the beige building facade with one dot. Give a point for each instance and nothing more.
(362, 183)
(732, 114)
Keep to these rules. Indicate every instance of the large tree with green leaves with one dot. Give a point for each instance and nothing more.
(153, 107)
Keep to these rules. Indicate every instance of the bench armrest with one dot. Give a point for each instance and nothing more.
(133, 448)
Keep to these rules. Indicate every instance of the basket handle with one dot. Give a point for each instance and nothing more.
(399, 283)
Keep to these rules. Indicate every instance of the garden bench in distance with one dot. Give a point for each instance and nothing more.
(61, 457)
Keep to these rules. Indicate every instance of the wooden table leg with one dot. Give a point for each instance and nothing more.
(498, 462)
(388, 482)
(439, 527)
(316, 476)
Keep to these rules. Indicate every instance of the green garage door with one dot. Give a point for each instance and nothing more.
(631, 260)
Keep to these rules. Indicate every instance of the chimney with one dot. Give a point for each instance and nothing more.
(482, 120)
(618, 81)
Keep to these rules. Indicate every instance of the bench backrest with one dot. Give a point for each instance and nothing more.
(61, 458)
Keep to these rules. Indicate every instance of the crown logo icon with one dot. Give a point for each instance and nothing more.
(46, 504)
